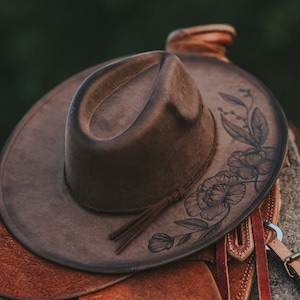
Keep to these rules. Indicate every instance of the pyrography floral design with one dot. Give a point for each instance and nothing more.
(216, 195)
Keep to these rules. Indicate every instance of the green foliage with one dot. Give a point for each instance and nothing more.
(45, 42)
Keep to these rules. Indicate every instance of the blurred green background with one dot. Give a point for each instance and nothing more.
(45, 42)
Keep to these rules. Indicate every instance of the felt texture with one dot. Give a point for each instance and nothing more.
(137, 131)
(40, 211)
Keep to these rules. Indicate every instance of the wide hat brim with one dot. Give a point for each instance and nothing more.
(35, 204)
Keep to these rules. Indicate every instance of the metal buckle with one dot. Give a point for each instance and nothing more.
(277, 230)
(289, 260)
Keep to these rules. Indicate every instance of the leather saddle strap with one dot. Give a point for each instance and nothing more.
(261, 256)
(291, 261)
(261, 261)
(222, 269)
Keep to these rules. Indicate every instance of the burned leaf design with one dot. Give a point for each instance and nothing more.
(193, 224)
(212, 230)
(237, 132)
(210, 204)
(184, 239)
(260, 127)
(231, 99)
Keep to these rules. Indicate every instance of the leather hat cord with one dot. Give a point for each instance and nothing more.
(129, 231)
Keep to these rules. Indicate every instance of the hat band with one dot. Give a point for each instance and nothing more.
(129, 231)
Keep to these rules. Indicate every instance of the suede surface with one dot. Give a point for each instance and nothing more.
(27, 276)
(39, 210)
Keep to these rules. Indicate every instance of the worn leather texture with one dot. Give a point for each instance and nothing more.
(291, 261)
(210, 40)
(28, 281)
(259, 131)
(121, 129)
(25, 273)
(242, 273)
(26, 276)
(159, 284)
(282, 286)
(181, 280)
(29, 209)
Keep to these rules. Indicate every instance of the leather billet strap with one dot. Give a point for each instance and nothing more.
(290, 261)
(235, 274)
(222, 269)
(242, 270)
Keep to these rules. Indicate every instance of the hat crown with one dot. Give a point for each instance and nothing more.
(137, 131)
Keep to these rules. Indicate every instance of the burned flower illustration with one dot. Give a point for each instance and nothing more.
(215, 196)
(252, 163)
(209, 205)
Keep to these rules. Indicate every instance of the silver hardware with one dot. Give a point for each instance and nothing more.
(277, 230)
(289, 260)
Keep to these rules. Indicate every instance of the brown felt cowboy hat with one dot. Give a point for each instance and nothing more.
(163, 152)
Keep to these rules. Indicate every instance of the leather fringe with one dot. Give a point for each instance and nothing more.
(128, 232)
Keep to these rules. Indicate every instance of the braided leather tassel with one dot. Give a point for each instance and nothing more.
(128, 232)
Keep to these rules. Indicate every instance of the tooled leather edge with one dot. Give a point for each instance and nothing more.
(240, 243)
(242, 273)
